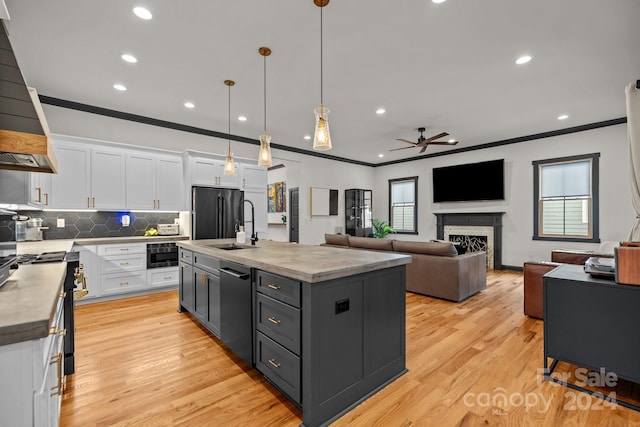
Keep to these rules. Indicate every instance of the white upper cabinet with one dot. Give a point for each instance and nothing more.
(210, 172)
(40, 189)
(87, 178)
(154, 182)
(170, 183)
(107, 179)
(254, 177)
(71, 186)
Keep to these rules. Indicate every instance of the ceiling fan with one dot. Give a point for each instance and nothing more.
(424, 142)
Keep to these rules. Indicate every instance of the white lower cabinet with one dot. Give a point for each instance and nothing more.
(116, 269)
(165, 276)
(122, 268)
(123, 282)
(31, 378)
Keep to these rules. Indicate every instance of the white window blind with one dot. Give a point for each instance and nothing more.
(403, 205)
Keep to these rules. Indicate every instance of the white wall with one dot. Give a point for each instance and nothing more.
(616, 211)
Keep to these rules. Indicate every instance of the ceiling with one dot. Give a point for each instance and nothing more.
(449, 67)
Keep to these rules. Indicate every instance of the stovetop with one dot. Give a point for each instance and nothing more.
(41, 258)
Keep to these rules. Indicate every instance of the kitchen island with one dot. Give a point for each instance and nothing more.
(327, 324)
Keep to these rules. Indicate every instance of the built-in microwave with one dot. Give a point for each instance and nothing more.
(162, 255)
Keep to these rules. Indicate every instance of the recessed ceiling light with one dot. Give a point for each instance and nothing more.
(142, 13)
(120, 87)
(189, 104)
(307, 137)
(563, 117)
(242, 118)
(129, 58)
(523, 59)
(380, 155)
(381, 111)
(438, 1)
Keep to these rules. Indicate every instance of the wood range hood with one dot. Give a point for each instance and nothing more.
(24, 140)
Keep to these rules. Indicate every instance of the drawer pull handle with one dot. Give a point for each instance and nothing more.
(124, 249)
(167, 277)
(274, 287)
(57, 359)
(274, 363)
(53, 330)
(124, 263)
(63, 295)
(124, 283)
(274, 320)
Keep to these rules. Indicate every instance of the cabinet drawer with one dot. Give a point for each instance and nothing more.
(163, 276)
(278, 287)
(279, 365)
(118, 264)
(186, 256)
(125, 248)
(206, 262)
(121, 283)
(279, 321)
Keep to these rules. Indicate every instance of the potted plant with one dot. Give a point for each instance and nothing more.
(381, 228)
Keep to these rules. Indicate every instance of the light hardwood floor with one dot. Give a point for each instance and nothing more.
(140, 362)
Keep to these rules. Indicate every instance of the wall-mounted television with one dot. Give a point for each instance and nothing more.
(469, 182)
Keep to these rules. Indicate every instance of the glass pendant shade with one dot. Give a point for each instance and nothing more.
(264, 156)
(322, 138)
(229, 165)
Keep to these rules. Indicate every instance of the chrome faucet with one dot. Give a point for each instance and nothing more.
(254, 235)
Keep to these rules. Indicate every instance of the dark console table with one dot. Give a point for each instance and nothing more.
(592, 323)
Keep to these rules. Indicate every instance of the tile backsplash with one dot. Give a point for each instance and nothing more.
(80, 225)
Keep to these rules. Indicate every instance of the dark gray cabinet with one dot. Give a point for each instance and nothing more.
(358, 212)
(332, 343)
(207, 286)
(186, 290)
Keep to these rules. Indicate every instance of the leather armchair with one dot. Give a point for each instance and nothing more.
(534, 270)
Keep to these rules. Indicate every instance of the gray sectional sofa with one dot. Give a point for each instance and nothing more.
(436, 269)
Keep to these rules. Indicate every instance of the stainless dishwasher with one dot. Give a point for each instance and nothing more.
(236, 309)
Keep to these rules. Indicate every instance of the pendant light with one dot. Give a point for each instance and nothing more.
(264, 156)
(321, 137)
(229, 165)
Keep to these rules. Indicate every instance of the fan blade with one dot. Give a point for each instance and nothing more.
(436, 137)
(407, 141)
(443, 143)
(423, 150)
(401, 148)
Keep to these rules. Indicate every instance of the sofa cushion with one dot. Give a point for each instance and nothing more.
(370, 243)
(426, 248)
(337, 239)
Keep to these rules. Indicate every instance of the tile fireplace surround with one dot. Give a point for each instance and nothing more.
(475, 223)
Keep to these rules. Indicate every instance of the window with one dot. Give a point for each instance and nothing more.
(403, 205)
(566, 199)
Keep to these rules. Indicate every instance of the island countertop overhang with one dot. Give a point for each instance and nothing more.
(306, 263)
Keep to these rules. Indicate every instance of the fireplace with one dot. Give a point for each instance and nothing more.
(480, 231)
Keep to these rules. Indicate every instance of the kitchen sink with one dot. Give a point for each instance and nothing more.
(230, 246)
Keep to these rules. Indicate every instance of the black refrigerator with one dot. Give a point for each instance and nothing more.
(215, 212)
